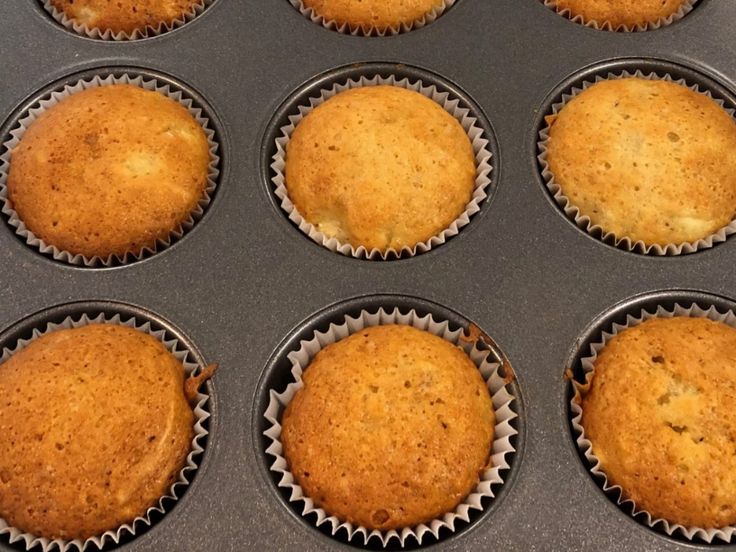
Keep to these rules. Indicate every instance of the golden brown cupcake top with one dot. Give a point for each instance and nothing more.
(392, 428)
(373, 14)
(109, 170)
(646, 159)
(94, 428)
(124, 15)
(629, 13)
(661, 415)
(380, 166)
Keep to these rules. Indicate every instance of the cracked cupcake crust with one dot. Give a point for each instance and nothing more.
(124, 15)
(392, 428)
(108, 171)
(660, 415)
(381, 167)
(648, 160)
(618, 13)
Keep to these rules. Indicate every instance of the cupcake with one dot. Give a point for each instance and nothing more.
(95, 428)
(413, 419)
(658, 413)
(644, 160)
(623, 14)
(369, 17)
(392, 428)
(380, 167)
(109, 171)
(125, 17)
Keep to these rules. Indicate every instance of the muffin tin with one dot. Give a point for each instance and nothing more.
(244, 285)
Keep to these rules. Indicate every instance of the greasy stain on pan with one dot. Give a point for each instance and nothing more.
(175, 89)
(277, 375)
(169, 506)
(312, 89)
(592, 334)
(692, 77)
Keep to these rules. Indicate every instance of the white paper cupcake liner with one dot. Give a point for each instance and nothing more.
(362, 30)
(51, 99)
(583, 221)
(501, 449)
(686, 8)
(452, 105)
(200, 415)
(108, 34)
(586, 447)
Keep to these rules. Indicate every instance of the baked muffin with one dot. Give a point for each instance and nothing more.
(373, 14)
(661, 417)
(380, 166)
(646, 159)
(94, 428)
(618, 13)
(392, 428)
(124, 16)
(109, 170)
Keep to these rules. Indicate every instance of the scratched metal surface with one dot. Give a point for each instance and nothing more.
(242, 284)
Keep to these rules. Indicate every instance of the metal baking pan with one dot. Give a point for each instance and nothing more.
(244, 284)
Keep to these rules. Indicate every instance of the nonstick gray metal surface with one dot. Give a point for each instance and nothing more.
(243, 283)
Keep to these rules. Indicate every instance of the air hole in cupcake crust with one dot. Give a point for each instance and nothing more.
(380, 517)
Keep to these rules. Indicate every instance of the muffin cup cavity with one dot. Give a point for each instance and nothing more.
(362, 30)
(686, 8)
(476, 134)
(502, 448)
(581, 220)
(165, 503)
(148, 31)
(18, 127)
(580, 388)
